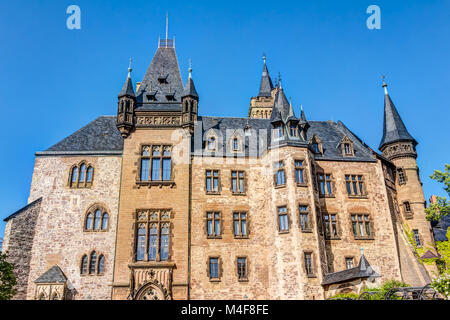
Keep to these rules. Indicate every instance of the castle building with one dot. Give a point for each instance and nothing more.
(161, 202)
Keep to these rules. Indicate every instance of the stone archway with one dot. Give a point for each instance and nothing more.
(152, 291)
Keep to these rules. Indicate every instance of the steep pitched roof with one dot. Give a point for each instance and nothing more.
(266, 86)
(127, 89)
(53, 275)
(363, 270)
(98, 137)
(189, 89)
(281, 106)
(393, 127)
(163, 79)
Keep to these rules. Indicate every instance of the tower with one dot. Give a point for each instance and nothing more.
(261, 105)
(125, 111)
(399, 147)
(189, 102)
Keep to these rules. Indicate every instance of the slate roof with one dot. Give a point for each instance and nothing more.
(189, 89)
(163, 66)
(363, 270)
(31, 204)
(440, 228)
(53, 275)
(127, 89)
(393, 127)
(329, 132)
(265, 89)
(281, 107)
(98, 137)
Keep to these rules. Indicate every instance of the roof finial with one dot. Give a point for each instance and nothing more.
(385, 85)
(167, 27)
(301, 107)
(362, 251)
(279, 80)
(129, 68)
(190, 68)
(264, 58)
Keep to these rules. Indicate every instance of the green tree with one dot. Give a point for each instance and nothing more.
(7, 279)
(442, 207)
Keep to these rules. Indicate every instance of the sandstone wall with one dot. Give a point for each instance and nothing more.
(60, 237)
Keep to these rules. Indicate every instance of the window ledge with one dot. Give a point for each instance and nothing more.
(358, 197)
(214, 280)
(332, 238)
(241, 237)
(307, 230)
(364, 238)
(283, 232)
(94, 231)
(242, 280)
(242, 194)
(214, 237)
(311, 276)
(327, 196)
(212, 193)
(152, 264)
(280, 186)
(170, 183)
(302, 184)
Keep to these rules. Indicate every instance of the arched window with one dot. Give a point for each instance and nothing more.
(164, 254)
(97, 218)
(105, 219)
(93, 262)
(101, 264)
(74, 175)
(82, 172)
(140, 243)
(84, 264)
(88, 225)
(90, 173)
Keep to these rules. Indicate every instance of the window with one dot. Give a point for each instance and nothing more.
(315, 147)
(156, 163)
(212, 143)
(97, 219)
(347, 149)
(238, 182)
(349, 262)
(417, 238)
(212, 181)
(304, 218)
(355, 185)
(293, 131)
(81, 176)
(308, 264)
(213, 224)
(278, 132)
(401, 176)
(280, 179)
(316, 144)
(242, 268)
(361, 226)
(152, 235)
(92, 263)
(101, 264)
(326, 185)
(407, 207)
(240, 224)
(84, 264)
(299, 172)
(236, 144)
(330, 225)
(214, 268)
(283, 221)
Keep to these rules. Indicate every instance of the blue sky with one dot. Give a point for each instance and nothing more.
(53, 80)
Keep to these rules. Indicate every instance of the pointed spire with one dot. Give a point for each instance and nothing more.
(266, 86)
(394, 130)
(302, 115)
(291, 115)
(281, 107)
(189, 89)
(127, 88)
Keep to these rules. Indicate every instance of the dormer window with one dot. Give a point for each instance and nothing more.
(170, 97)
(163, 80)
(293, 131)
(315, 147)
(212, 143)
(278, 132)
(316, 144)
(236, 144)
(347, 147)
(151, 97)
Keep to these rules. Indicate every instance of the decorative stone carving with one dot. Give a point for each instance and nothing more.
(158, 121)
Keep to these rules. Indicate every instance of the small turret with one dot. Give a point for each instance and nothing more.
(189, 101)
(126, 104)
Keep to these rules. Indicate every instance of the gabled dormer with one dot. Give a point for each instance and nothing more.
(347, 147)
(316, 144)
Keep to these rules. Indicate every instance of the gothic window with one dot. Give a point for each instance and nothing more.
(213, 268)
(347, 147)
(355, 185)
(156, 163)
(304, 218)
(92, 262)
(299, 172)
(240, 224)
(308, 264)
(330, 222)
(84, 264)
(153, 235)
(97, 219)
(401, 176)
(283, 220)
(349, 262)
(213, 224)
(325, 185)
(101, 264)
(242, 268)
(212, 181)
(238, 182)
(81, 176)
(417, 238)
(280, 179)
(361, 226)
